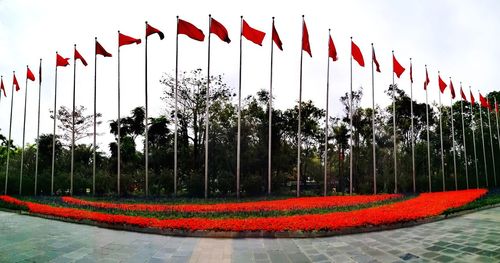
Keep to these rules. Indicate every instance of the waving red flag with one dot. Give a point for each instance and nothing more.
(356, 54)
(99, 50)
(462, 93)
(151, 30)
(60, 61)
(305, 39)
(452, 90)
(398, 69)
(127, 40)
(2, 87)
(472, 100)
(332, 51)
(252, 34)
(442, 85)
(218, 29)
(189, 30)
(78, 56)
(374, 58)
(484, 101)
(15, 83)
(276, 38)
(30, 75)
(427, 80)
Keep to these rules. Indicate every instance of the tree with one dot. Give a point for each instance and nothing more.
(83, 123)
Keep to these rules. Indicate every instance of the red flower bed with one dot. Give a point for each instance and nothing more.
(275, 205)
(425, 205)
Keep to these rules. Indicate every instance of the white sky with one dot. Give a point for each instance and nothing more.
(461, 38)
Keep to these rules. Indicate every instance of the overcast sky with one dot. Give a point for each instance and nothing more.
(460, 38)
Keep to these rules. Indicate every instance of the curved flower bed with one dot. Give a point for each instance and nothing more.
(425, 205)
(274, 205)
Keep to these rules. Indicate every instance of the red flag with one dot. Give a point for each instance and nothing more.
(252, 34)
(332, 51)
(484, 101)
(452, 89)
(462, 94)
(60, 61)
(126, 40)
(189, 30)
(472, 100)
(305, 39)
(2, 88)
(411, 72)
(398, 69)
(356, 54)
(99, 50)
(374, 58)
(15, 83)
(427, 80)
(78, 56)
(30, 75)
(218, 29)
(151, 30)
(442, 85)
(276, 38)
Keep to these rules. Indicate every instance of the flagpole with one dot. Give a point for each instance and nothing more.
(441, 136)
(175, 112)
(428, 136)
(95, 119)
(8, 142)
(269, 136)
(484, 147)
(350, 128)
(474, 142)
(326, 120)
(73, 128)
(492, 151)
(394, 129)
(463, 136)
(453, 142)
(498, 129)
(207, 107)
(412, 135)
(373, 130)
(24, 133)
(38, 126)
(118, 127)
(299, 139)
(238, 144)
(54, 135)
(146, 149)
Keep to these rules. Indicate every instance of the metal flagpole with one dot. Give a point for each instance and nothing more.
(207, 108)
(269, 136)
(8, 142)
(453, 142)
(299, 128)
(118, 127)
(38, 126)
(54, 136)
(428, 133)
(24, 133)
(238, 145)
(463, 136)
(73, 128)
(492, 151)
(498, 129)
(146, 144)
(484, 147)
(441, 136)
(175, 112)
(350, 128)
(394, 129)
(326, 120)
(373, 130)
(95, 119)
(474, 142)
(412, 136)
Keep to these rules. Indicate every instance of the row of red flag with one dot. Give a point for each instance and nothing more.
(255, 36)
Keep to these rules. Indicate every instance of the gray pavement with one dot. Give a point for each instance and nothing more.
(471, 238)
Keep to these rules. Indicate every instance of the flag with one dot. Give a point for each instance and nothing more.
(356, 54)
(99, 50)
(374, 58)
(411, 72)
(462, 94)
(276, 39)
(442, 85)
(484, 101)
(2, 88)
(15, 83)
(218, 29)
(427, 80)
(61, 62)
(398, 69)
(126, 40)
(30, 75)
(452, 90)
(252, 34)
(78, 56)
(305, 39)
(189, 30)
(472, 100)
(151, 30)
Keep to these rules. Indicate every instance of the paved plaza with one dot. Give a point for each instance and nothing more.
(471, 238)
